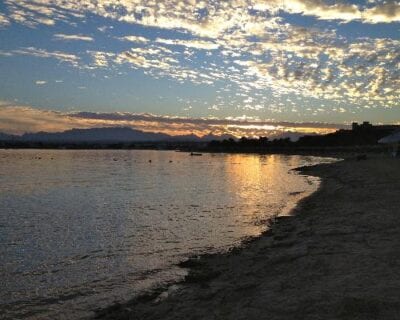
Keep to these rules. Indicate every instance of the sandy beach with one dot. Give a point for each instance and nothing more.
(336, 257)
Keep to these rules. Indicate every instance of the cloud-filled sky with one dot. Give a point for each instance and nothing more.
(198, 66)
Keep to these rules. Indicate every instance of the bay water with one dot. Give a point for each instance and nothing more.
(80, 230)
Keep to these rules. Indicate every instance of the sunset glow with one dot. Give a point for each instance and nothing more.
(249, 64)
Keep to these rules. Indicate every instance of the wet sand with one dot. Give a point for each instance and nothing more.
(336, 257)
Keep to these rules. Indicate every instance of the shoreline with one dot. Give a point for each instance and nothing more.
(335, 257)
(188, 147)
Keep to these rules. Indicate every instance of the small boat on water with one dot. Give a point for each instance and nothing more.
(195, 154)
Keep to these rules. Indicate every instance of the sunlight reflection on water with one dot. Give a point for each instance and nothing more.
(80, 229)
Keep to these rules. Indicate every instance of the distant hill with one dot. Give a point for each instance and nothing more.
(7, 137)
(95, 135)
(107, 135)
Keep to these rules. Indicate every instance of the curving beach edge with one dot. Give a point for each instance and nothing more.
(336, 257)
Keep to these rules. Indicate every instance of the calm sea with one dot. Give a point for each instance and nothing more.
(84, 229)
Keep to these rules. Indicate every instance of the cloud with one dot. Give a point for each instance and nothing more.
(259, 51)
(138, 39)
(202, 18)
(146, 59)
(72, 37)
(100, 58)
(42, 53)
(5, 53)
(385, 12)
(359, 72)
(197, 44)
(128, 116)
(159, 61)
(4, 21)
(45, 12)
(19, 119)
(105, 28)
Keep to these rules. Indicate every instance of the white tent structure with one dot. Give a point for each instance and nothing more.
(394, 140)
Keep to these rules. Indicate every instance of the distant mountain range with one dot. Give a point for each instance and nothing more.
(4, 136)
(107, 135)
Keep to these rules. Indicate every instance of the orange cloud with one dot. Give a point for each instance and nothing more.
(21, 119)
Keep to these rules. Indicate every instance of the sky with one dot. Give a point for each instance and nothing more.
(244, 67)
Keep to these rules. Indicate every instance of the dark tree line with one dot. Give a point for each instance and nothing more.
(340, 138)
